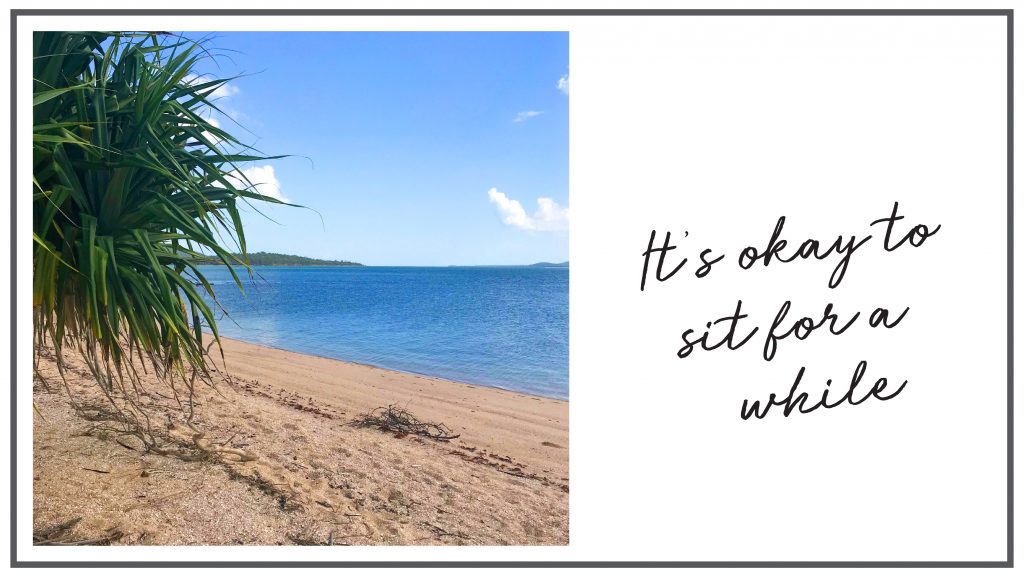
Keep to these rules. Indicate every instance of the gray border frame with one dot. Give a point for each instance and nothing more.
(1008, 14)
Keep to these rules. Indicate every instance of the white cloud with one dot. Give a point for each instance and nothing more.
(210, 137)
(217, 99)
(563, 83)
(511, 211)
(225, 90)
(526, 115)
(262, 179)
(548, 217)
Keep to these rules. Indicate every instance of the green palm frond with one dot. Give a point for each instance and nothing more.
(133, 188)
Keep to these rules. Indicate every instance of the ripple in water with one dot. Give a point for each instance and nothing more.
(505, 327)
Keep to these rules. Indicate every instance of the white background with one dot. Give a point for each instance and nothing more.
(717, 126)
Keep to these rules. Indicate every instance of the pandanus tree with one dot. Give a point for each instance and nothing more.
(133, 187)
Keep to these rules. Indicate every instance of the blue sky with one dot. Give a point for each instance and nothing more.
(413, 148)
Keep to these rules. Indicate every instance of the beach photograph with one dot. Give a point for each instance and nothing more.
(300, 288)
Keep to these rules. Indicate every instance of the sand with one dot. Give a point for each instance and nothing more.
(317, 477)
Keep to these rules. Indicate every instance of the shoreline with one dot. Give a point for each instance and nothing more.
(390, 369)
(318, 478)
(499, 419)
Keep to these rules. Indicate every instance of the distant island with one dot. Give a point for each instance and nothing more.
(534, 265)
(550, 264)
(278, 259)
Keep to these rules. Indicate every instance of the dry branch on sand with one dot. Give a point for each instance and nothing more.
(60, 534)
(399, 421)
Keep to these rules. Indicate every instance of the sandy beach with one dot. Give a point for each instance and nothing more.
(317, 477)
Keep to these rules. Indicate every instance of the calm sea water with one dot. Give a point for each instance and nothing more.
(500, 327)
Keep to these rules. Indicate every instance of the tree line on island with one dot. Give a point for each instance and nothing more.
(278, 259)
(550, 264)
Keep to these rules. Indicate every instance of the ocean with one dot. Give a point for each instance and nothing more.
(504, 327)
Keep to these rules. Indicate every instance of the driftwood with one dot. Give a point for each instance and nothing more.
(399, 421)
